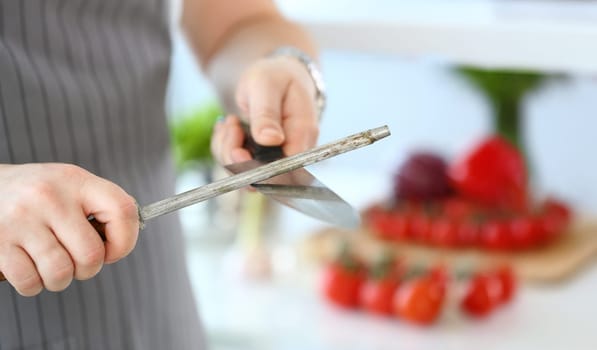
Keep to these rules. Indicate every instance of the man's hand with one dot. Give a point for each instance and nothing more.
(45, 237)
(276, 96)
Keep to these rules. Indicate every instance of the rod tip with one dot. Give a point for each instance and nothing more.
(379, 132)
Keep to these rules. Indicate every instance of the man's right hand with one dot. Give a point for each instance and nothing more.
(45, 237)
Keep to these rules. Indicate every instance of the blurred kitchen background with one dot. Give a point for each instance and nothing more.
(396, 62)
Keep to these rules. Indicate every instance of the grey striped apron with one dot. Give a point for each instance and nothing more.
(83, 81)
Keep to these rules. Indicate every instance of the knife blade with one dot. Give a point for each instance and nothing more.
(252, 176)
(297, 189)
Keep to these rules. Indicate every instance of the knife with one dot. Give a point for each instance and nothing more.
(252, 176)
(297, 189)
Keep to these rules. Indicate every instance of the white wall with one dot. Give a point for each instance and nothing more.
(427, 106)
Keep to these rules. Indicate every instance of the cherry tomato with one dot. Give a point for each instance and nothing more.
(389, 225)
(420, 228)
(478, 297)
(384, 276)
(342, 284)
(376, 296)
(507, 279)
(495, 235)
(524, 232)
(553, 220)
(493, 173)
(558, 208)
(380, 222)
(419, 300)
(440, 274)
(468, 233)
(399, 226)
(457, 208)
(443, 232)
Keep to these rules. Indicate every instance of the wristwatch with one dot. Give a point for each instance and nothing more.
(312, 68)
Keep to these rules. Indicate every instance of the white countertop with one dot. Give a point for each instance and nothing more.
(287, 311)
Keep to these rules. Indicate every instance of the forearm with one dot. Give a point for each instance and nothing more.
(225, 56)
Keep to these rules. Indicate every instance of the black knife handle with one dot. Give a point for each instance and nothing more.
(259, 152)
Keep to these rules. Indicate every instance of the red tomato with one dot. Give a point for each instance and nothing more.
(457, 208)
(478, 300)
(468, 233)
(341, 285)
(380, 222)
(524, 232)
(553, 220)
(440, 274)
(420, 226)
(419, 301)
(493, 173)
(376, 296)
(507, 279)
(496, 235)
(384, 276)
(550, 227)
(558, 208)
(389, 225)
(399, 226)
(443, 232)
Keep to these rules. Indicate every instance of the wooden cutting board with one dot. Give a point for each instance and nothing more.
(558, 261)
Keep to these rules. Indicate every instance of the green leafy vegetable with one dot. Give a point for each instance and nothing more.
(191, 134)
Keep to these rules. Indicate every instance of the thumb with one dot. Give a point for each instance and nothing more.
(265, 112)
(112, 206)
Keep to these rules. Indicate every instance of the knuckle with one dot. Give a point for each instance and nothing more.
(60, 277)
(25, 280)
(92, 259)
(265, 113)
(262, 76)
(22, 275)
(16, 211)
(71, 171)
(42, 191)
(128, 207)
(61, 274)
(61, 268)
(30, 287)
(255, 71)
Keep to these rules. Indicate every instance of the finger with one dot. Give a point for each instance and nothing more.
(238, 155)
(232, 138)
(20, 271)
(265, 95)
(232, 147)
(85, 247)
(111, 205)
(53, 263)
(217, 139)
(301, 123)
(227, 142)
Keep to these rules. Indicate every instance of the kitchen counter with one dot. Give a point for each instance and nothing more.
(287, 312)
